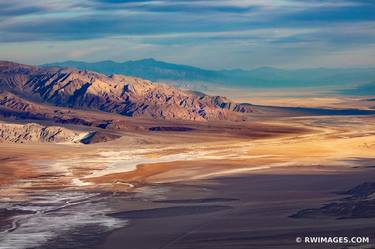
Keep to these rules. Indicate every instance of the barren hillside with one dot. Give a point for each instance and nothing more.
(22, 85)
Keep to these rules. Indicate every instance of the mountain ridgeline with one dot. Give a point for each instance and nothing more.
(28, 89)
(261, 77)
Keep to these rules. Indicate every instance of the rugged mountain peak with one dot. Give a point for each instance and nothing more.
(120, 94)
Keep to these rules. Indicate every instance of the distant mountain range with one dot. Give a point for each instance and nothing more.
(198, 78)
(360, 90)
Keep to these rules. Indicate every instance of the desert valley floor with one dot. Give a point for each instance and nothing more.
(177, 124)
(254, 184)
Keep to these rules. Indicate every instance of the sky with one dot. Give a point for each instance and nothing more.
(213, 34)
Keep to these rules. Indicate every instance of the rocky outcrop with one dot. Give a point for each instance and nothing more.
(35, 133)
(359, 203)
(120, 94)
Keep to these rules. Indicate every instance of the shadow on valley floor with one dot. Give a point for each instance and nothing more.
(258, 216)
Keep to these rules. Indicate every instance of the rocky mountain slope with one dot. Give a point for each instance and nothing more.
(22, 87)
(35, 133)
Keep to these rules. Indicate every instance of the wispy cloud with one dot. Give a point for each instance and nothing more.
(232, 27)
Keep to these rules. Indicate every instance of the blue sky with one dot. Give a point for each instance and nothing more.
(213, 34)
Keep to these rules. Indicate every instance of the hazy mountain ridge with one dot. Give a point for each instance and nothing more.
(88, 90)
(261, 77)
(147, 68)
(360, 90)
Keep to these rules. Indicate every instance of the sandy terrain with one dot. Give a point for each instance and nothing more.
(212, 185)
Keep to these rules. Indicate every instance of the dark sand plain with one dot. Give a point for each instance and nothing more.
(255, 212)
